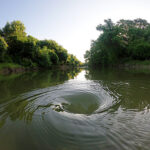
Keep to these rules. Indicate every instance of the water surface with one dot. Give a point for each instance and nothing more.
(75, 110)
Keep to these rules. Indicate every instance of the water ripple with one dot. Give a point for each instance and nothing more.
(80, 114)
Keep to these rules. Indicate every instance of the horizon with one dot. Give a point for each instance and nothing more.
(71, 24)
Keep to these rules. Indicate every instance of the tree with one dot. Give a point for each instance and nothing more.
(43, 58)
(29, 51)
(3, 48)
(15, 28)
(1, 32)
(87, 56)
(127, 39)
(58, 49)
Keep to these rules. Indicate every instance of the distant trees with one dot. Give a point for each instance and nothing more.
(125, 40)
(17, 47)
(72, 60)
(57, 49)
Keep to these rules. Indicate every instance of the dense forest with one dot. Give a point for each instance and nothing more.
(120, 42)
(18, 47)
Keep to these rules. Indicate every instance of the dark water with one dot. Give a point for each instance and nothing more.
(73, 110)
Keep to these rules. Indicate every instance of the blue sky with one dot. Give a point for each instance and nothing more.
(71, 23)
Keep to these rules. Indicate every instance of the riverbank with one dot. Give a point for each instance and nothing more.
(136, 64)
(11, 68)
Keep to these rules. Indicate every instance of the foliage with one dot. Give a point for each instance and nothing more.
(9, 65)
(3, 48)
(125, 40)
(18, 47)
(72, 60)
(59, 50)
(44, 57)
(15, 28)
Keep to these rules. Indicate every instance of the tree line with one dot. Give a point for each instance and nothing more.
(18, 47)
(120, 42)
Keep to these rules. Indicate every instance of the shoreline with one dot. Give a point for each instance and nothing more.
(134, 64)
(10, 68)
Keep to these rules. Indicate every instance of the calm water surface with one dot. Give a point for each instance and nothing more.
(75, 110)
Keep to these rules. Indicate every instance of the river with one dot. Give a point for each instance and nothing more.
(75, 110)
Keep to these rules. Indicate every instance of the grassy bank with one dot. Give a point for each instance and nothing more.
(138, 62)
(9, 65)
(7, 68)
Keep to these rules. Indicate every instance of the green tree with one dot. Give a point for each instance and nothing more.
(58, 49)
(3, 48)
(125, 40)
(15, 28)
(29, 51)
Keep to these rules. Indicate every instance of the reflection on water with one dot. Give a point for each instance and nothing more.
(14, 85)
(131, 86)
(73, 110)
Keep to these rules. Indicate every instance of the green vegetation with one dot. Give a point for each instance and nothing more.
(138, 62)
(17, 110)
(9, 65)
(19, 48)
(125, 41)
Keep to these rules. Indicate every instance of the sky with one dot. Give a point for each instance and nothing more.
(71, 23)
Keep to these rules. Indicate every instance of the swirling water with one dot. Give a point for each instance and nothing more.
(73, 110)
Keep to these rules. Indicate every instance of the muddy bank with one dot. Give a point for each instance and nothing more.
(134, 66)
(8, 70)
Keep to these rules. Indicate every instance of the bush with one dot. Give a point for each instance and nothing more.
(44, 58)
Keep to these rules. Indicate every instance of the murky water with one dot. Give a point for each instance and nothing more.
(75, 110)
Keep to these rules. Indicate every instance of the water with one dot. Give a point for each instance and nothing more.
(75, 110)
